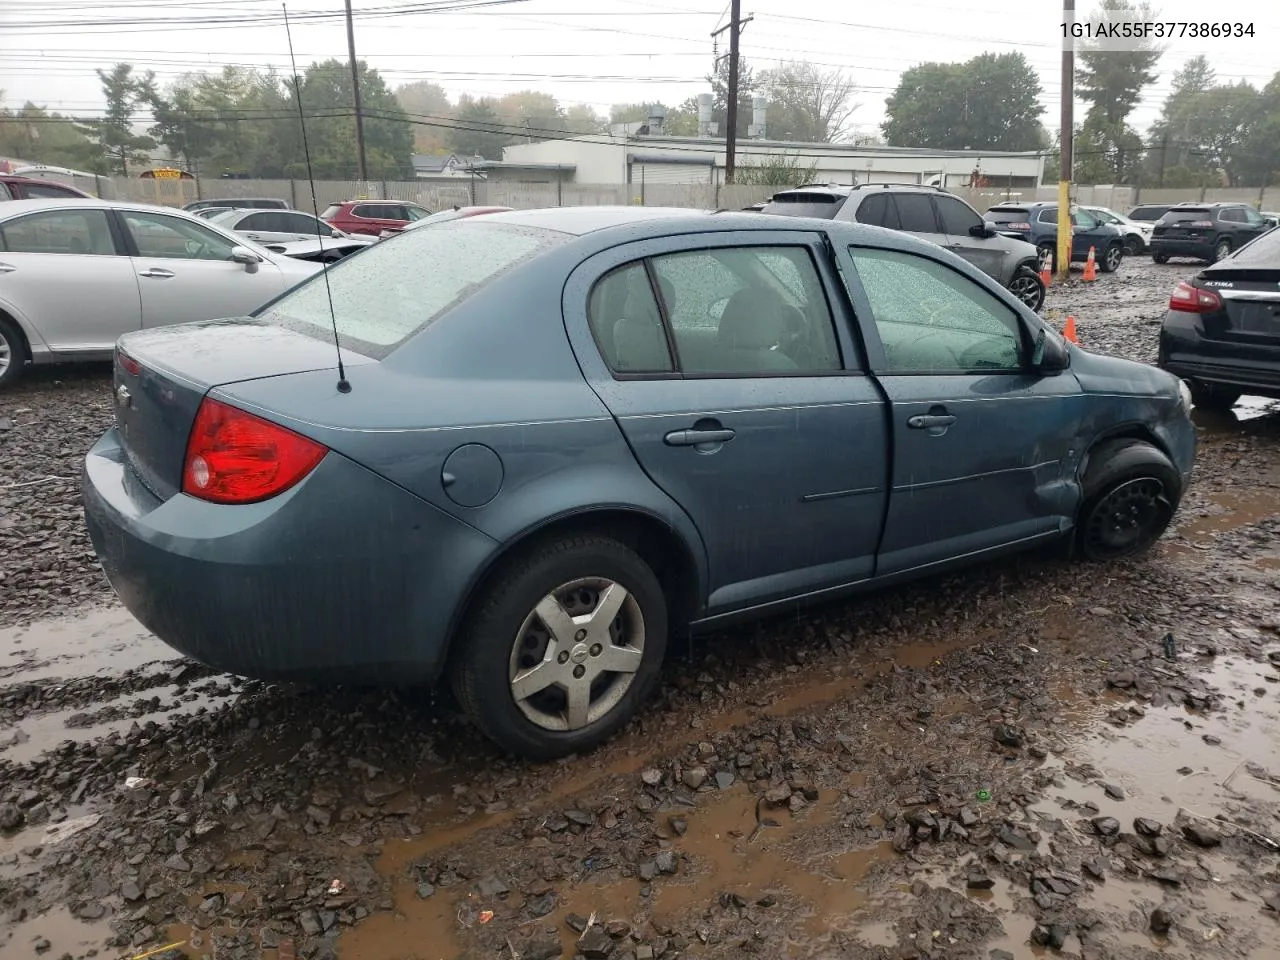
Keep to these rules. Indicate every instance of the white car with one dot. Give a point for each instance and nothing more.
(281, 226)
(1137, 233)
(76, 274)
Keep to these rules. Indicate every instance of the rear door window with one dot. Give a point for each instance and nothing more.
(383, 297)
(879, 210)
(957, 217)
(60, 232)
(915, 212)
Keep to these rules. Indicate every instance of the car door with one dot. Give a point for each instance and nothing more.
(744, 397)
(263, 227)
(983, 445)
(1255, 224)
(916, 214)
(185, 271)
(1087, 231)
(301, 226)
(64, 271)
(959, 223)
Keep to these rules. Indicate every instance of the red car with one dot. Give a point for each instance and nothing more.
(453, 213)
(371, 217)
(13, 187)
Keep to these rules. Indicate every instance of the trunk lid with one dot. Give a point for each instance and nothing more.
(1249, 284)
(162, 375)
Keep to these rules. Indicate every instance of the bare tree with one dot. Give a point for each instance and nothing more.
(807, 103)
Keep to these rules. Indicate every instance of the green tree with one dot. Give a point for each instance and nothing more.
(681, 121)
(115, 144)
(328, 101)
(786, 170)
(1169, 140)
(1111, 81)
(1106, 152)
(477, 129)
(991, 102)
(582, 119)
(425, 100)
(33, 133)
(806, 103)
(530, 115)
(1259, 155)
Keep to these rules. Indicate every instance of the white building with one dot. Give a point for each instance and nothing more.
(642, 153)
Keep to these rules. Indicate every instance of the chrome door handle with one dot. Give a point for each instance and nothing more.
(157, 273)
(7, 268)
(927, 422)
(693, 438)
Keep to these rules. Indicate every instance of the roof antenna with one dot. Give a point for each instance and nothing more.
(344, 385)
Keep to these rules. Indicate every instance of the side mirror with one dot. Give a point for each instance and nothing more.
(1050, 354)
(982, 231)
(247, 257)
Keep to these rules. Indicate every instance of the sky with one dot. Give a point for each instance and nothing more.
(597, 52)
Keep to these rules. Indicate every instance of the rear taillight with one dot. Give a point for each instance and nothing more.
(127, 363)
(1190, 299)
(1203, 224)
(1018, 226)
(235, 457)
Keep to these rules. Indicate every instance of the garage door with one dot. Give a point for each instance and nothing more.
(650, 172)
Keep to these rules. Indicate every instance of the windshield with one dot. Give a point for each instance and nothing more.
(384, 296)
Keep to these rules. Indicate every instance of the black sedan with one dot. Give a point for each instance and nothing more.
(1222, 333)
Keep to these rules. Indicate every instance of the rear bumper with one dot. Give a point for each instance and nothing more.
(1200, 249)
(1187, 353)
(345, 577)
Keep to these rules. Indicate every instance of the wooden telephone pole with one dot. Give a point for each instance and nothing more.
(734, 26)
(355, 86)
(1066, 136)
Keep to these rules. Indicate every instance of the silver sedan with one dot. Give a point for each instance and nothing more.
(75, 275)
(280, 226)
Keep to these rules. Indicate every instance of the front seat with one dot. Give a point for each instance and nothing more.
(753, 322)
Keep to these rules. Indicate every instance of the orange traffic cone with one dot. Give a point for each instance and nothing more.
(1046, 271)
(1090, 267)
(1069, 331)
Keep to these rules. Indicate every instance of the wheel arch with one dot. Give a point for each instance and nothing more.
(1133, 430)
(673, 560)
(18, 325)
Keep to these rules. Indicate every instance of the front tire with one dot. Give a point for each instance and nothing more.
(1112, 257)
(13, 352)
(1027, 287)
(1131, 490)
(561, 647)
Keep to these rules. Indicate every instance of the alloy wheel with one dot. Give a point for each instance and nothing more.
(1028, 290)
(1127, 518)
(1115, 253)
(1222, 250)
(576, 654)
(6, 353)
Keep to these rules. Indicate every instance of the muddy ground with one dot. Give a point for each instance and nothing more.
(1031, 758)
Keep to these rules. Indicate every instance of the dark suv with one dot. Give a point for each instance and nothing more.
(1038, 223)
(929, 213)
(1205, 231)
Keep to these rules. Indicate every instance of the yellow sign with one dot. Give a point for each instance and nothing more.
(167, 173)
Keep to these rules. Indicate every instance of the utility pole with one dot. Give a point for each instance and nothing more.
(734, 26)
(355, 86)
(1066, 136)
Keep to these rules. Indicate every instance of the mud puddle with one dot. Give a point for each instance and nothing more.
(737, 851)
(108, 641)
(56, 934)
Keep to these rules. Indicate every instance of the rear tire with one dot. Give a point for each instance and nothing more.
(1158, 257)
(1210, 396)
(1134, 247)
(1130, 493)
(531, 668)
(13, 352)
(1112, 257)
(1027, 287)
(1221, 250)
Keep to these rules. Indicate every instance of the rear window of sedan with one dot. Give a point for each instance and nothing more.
(1007, 214)
(388, 296)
